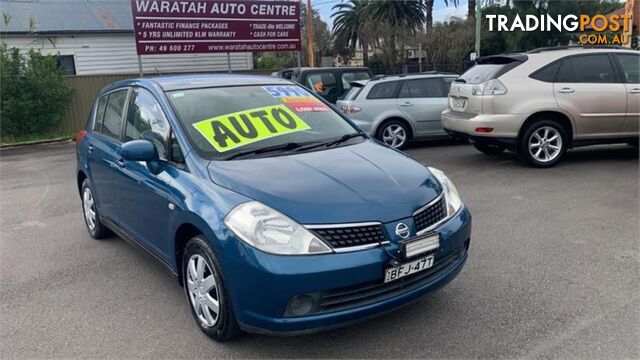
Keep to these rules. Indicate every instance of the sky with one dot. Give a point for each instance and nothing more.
(440, 11)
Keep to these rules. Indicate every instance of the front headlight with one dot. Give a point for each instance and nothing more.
(454, 203)
(268, 230)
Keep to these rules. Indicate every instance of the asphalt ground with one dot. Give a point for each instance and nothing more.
(553, 271)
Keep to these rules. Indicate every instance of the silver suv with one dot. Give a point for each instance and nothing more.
(396, 109)
(545, 101)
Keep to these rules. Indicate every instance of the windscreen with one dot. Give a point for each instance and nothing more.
(225, 120)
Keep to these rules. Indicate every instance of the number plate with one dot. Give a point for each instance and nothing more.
(458, 103)
(397, 272)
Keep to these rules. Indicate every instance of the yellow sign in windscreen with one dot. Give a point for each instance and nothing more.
(238, 129)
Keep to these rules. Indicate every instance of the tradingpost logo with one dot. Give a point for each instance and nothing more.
(599, 29)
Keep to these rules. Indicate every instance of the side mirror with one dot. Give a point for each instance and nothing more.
(139, 150)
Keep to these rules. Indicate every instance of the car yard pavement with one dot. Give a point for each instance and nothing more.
(553, 271)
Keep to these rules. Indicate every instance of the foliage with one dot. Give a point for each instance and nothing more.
(449, 44)
(352, 27)
(35, 94)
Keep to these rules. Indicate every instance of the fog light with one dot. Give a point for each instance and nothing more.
(300, 305)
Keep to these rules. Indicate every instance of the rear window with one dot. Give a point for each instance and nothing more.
(491, 68)
(353, 92)
(350, 76)
(385, 90)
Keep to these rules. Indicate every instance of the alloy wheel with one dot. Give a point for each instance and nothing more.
(89, 207)
(203, 290)
(545, 144)
(394, 136)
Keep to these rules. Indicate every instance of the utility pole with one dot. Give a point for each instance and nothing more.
(478, 4)
(309, 33)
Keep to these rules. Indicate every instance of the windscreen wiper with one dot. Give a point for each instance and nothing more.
(328, 143)
(279, 147)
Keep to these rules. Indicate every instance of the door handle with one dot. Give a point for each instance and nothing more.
(407, 103)
(120, 162)
(90, 148)
(566, 91)
(635, 91)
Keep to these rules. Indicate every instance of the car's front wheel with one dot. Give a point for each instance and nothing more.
(489, 149)
(210, 304)
(394, 133)
(543, 144)
(90, 212)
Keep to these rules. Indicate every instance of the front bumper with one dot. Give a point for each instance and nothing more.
(505, 126)
(261, 285)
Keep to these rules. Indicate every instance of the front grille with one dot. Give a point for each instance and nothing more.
(364, 294)
(341, 237)
(430, 215)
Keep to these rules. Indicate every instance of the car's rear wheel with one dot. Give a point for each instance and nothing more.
(543, 144)
(91, 215)
(489, 149)
(394, 133)
(204, 287)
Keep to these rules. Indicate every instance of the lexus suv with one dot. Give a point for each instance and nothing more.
(541, 103)
(274, 211)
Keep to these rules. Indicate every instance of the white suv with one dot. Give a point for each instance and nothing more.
(543, 102)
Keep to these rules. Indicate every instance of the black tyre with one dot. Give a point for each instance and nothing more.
(489, 149)
(91, 214)
(543, 143)
(204, 288)
(394, 133)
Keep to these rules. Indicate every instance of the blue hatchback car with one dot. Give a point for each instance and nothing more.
(275, 212)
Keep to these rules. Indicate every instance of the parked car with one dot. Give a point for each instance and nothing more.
(329, 82)
(541, 103)
(276, 213)
(397, 109)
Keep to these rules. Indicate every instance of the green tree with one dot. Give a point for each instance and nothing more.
(429, 11)
(35, 94)
(352, 26)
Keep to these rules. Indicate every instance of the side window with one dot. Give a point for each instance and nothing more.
(630, 67)
(565, 73)
(146, 120)
(446, 85)
(422, 88)
(548, 72)
(322, 83)
(100, 107)
(348, 77)
(593, 69)
(112, 124)
(385, 90)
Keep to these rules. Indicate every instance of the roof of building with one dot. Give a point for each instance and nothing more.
(66, 16)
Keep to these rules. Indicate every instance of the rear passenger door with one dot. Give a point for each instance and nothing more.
(630, 67)
(103, 149)
(587, 87)
(146, 198)
(423, 100)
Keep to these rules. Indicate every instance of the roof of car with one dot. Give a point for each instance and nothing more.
(385, 78)
(337, 68)
(194, 81)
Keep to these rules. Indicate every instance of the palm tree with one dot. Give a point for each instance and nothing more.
(471, 8)
(350, 26)
(428, 4)
(400, 14)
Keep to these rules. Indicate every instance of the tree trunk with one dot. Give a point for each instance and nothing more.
(365, 53)
(471, 12)
(429, 14)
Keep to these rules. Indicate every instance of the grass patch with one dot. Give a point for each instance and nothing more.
(10, 140)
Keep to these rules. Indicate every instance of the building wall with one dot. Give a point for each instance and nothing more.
(116, 54)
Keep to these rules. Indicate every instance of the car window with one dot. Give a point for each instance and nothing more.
(224, 121)
(565, 72)
(548, 72)
(146, 120)
(630, 67)
(592, 69)
(446, 83)
(100, 107)
(353, 92)
(422, 88)
(323, 83)
(385, 90)
(112, 124)
(490, 68)
(348, 77)
(287, 74)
